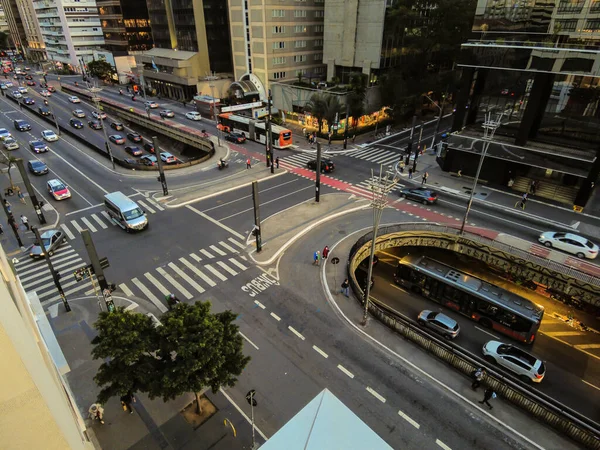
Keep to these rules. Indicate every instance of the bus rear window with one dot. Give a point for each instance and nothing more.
(286, 135)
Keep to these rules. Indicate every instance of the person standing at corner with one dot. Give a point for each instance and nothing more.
(325, 252)
(424, 180)
(248, 164)
(346, 288)
(277, 162)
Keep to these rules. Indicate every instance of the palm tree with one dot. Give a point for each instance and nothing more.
(8, 161)
(317, 106)
(333, 108)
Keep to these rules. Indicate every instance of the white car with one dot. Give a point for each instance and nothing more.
(4, 133)
(8, 84)
(151, 104)
(49, 135)
(193, 115)
(98, 115)
(167, 157)
(79, 113)
(570, 243)
(17, 94)
(22, 90)
(11, 144)
(45, 93)
(74, 99)
(527, 367)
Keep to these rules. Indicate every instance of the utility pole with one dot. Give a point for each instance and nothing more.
(37, 205)
(97, 267)
(161, 171)
(212, 93)
(380, 187)
(53, 116)
(437, 124)
(54, 273)
(410, 140)
(11, 221)
(489, 128)
(418, 149)
(252, 402)
(256, 230)
(318, 177)
(94, 90)
(347, 123)
(269, 147)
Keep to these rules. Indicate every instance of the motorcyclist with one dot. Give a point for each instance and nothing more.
(172, 300)
(46, 102)
(133, 98)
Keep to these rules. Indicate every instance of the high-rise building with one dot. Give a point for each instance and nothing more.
(191, 39)
(538, 64)
(71, 30)
(25, 32)
(276, 41)
(3, 22)
(126, 26)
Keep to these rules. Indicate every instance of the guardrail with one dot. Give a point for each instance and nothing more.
(571, 423)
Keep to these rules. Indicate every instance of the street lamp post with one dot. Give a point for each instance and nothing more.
(54, 117)
(437, 124)
(489, 126)
(212, 93)
(94, 90)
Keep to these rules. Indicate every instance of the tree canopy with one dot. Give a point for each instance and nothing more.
(100, 69)
(317, 106)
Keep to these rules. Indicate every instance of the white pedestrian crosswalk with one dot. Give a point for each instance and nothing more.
(372, 154)
(298, 159)
(187, 277)
(367, 186)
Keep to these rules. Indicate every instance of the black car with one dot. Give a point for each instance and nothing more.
(29, 101)
(420, 194)
(37, 167)
(134, 137)
(38, 146)
(327, 165)
(21, 125)
(44, 111)
(238, 138)
(76, 123)
(149, 147)
(117, 126)
(133, 150)
(95, 124)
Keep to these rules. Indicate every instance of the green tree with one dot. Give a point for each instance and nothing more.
(100, 69)
(125, 343)
(333, 107)
(3, 40)
(197, 349)
(9, 161)
(356, 96)
(317, 106)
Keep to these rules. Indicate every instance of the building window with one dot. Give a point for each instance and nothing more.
(318, 56)
(279, 60)
(319, 28)
(318, 43)
(299, 58)
(319, 13)
(278, 29)
(319, 1)
(278, 45)
(319, 69)
(299, 29)
(565, 25)
(592, 25)
(570, 6)
(278, 75)
(300, 13)
(278, 13)
(299, 44)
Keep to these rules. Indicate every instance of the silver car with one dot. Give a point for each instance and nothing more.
(51, 240)
(526, 366)
(440, 323)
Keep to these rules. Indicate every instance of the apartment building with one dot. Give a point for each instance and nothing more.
(3, 22)
(24, 29)
(126, 26)
(276, 40)
(71, 30)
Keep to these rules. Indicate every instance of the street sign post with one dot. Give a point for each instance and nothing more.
(335, 261)
(252, 402)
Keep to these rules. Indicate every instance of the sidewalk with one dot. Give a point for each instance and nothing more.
(154, 424)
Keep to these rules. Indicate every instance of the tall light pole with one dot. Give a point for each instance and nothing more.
(53, 116)
(489, 128)
(380, 187)
(437, 124)
(212, 93)
(94, 90)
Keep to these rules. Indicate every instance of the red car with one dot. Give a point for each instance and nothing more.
(31, 83)
(51, 89)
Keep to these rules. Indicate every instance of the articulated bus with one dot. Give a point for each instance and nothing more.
(255, 130)
(493, 307)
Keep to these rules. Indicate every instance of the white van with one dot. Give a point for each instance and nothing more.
(125, 212)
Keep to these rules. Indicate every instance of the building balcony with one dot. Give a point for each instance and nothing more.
(170, 78)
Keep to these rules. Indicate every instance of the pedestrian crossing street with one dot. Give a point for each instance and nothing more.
(371, 154)
(101, 220)
(187, 277)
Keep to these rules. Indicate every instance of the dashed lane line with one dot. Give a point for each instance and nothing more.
(321, 352)
(409, 420)
(296, 332)
(442, 445)
(259, 304)
(346, 371)
(376, 394)
(276, 317)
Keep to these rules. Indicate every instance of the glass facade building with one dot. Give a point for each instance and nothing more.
(125, 25)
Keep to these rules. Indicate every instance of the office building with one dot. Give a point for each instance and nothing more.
(192, 47)
(126, 26)
(3, 22)
(71, 31)
(24, 30)
(539, 66)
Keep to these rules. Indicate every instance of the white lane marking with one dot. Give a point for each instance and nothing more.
(146, 207)
(227, 247)
(234, 242)
(296, 332)
(409, 420)
(97, 219)
(346, 371)
(197, 271)
(131, 306)
(441, 444)
(276, 317)
(321, 352)
(237, 263)
(216, 222)
(263, 435)
(590, 384)
(227, 268)
(155, 204)
(217, 250)
(206, 253)
(487, 332)
(196, 257)
(185, 276)
(163, 290)
(126, 290)
(105, 214)
(149, 294)
(91, 227)
(76, 226)
(375, 394)
(259, 304)
(176, 284)
(215, 272)
(83, 209)
(67, 231)
(249, 341)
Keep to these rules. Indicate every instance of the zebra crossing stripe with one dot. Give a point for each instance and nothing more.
(175, 283)
(215, 272)
(198, 272)
(217, 250)
(67, 231)
(227, 268)
(149, 294)
(126, 290)
(146, 206)
(228, 247)
(234, 242)
(207, 254)
(91, 227)
(185, 276)
(237, 263)
(156, 283)
(196, 257)
(107, 216)
(76, 226)
(155, 204)
(97, 219)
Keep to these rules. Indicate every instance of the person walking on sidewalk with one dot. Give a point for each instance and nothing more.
(353, 138)
(487, 395)
(1, 230)
(410, 172)
(325, 252)
(477, 376)
(248, 164)
(316, 258)
(521, 203)
(532, 187)
(277, 162)
(7, 206)
(126, 401)
(22, 197)
(346, 288)
(96, 412)
(424, 179)
(25, 221)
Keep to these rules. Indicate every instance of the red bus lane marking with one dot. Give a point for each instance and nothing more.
(538, 250)
(584, 266)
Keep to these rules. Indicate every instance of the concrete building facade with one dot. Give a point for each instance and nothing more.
(24, 29)
(3, 21)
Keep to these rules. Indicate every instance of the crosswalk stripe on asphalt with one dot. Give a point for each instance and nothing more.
(196, 257)
(91, 227)
(176, 284)
(217, 250)
(185, 276)
(67, 231)
(163, 290)
(107, 217)
(234, 242)
(227, 247)
(227, 268)
(215, 272)
(146, 206)
(237, 263)
(155, 204)
(207, 254)
(76, 226)
(97, 219)
(149, 294)
(198, 272)
(126, 290)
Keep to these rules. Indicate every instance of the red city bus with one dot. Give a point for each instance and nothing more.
(255, 130)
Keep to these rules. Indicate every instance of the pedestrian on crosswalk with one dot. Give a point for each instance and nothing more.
(248, 164)
(316, 258)
(521, 203)
(25, 221)
(424, 179)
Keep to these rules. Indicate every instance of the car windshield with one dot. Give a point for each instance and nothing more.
(37, 165)
(58, 187)
(133, 214)
(46, 242)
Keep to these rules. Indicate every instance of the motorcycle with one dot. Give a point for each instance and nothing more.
(222, 164)
(120, 91)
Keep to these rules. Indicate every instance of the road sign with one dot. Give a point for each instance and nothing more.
(335, 260)
(250, 397)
